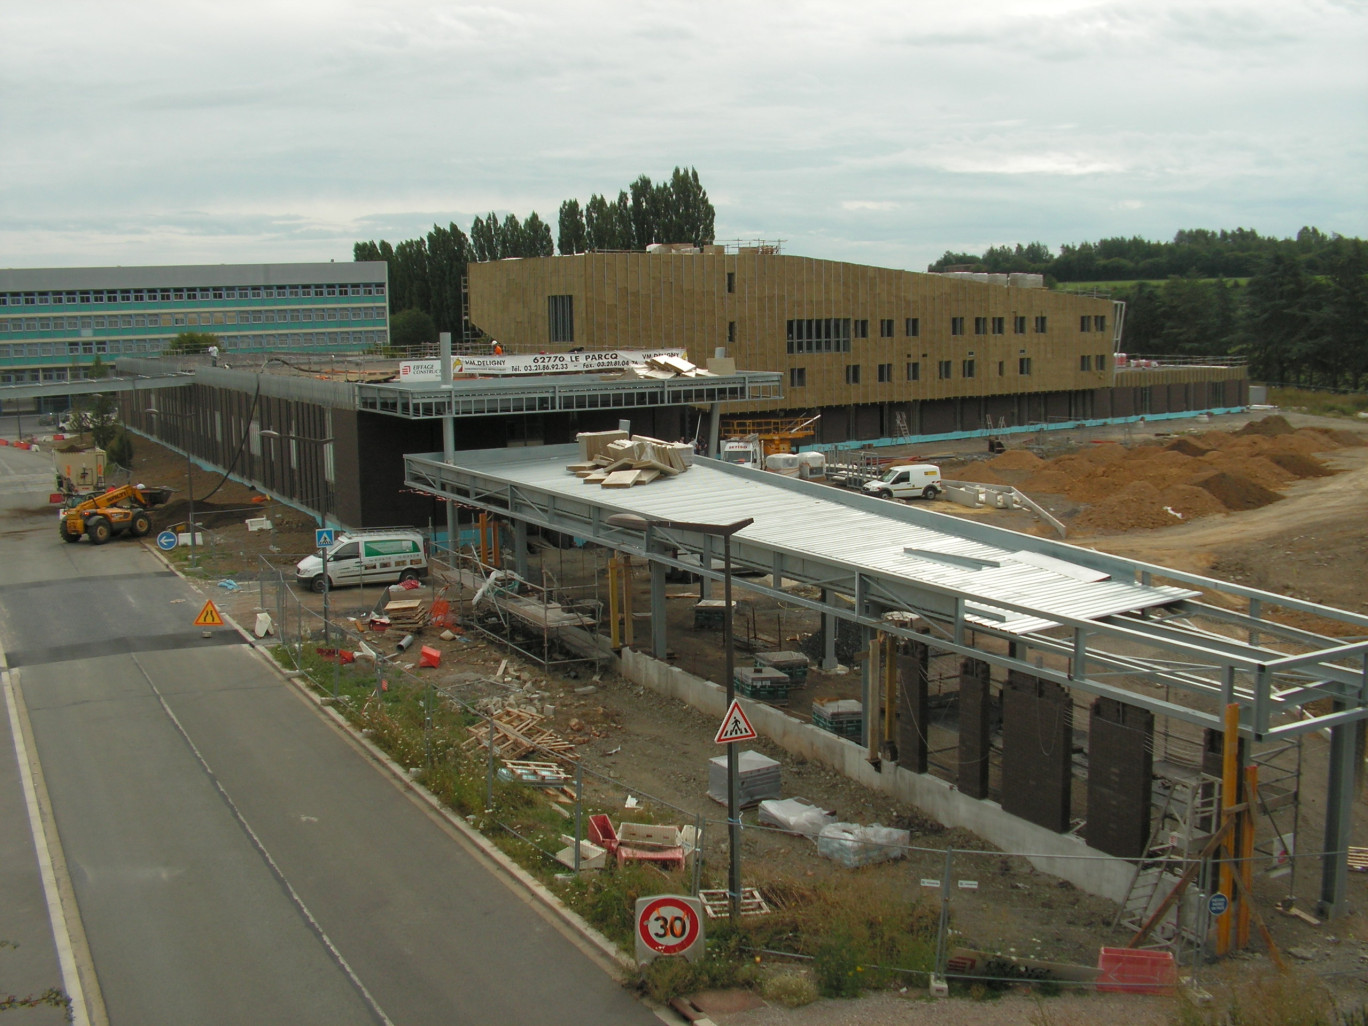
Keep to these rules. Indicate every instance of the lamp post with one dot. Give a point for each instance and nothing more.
(322, 522)
(725, 532)
(189, 472)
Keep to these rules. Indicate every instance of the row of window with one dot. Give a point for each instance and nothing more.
(945, 370)
(1086, 323)
(182, 295)
(190, 319)
(265, 340)
(833, 334)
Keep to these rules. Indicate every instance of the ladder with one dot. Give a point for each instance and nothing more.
(900, 422)
(1186, 807)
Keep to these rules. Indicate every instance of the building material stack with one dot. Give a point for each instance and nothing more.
(765, 683)
(757, 778)
(843, 717)
(794, 664)
(612, 459)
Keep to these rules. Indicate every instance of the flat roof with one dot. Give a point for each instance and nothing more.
(55, 279)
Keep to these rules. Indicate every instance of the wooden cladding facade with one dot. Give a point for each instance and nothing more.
(899, 336)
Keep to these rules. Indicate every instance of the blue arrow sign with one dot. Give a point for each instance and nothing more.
(166, 541)
(324, 536)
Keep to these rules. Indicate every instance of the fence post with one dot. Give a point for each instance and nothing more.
(943, 930)
(428, 703)
(489, 777)
(579, 811)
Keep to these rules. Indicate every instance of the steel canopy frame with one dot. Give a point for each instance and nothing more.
(1155, 640)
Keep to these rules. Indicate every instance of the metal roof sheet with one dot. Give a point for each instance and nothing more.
(833, 525)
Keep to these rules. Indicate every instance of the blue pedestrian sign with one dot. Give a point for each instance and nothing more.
(324, 536)
(166, 541)
(1217, 904)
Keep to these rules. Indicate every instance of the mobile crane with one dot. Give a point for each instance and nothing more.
(117, 511)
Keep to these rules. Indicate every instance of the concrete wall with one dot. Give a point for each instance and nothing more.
(1061, 855)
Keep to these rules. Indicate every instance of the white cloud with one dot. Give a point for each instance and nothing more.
(259, 131)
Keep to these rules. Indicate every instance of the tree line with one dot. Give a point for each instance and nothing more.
(1194, 252)
(426, 274)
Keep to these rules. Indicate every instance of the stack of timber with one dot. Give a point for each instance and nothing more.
(612, 459)
(662, 367)
(517, 735)
(406, 616)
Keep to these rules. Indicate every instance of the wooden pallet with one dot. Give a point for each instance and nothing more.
(718, 905)
(518, 734)
(1358, 860)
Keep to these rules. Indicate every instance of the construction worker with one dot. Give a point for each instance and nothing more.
(496, 347)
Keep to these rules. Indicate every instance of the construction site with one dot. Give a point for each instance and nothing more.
(1072, 719)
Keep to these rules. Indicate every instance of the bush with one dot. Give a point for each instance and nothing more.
(837, 968)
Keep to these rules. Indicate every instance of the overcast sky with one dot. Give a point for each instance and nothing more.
(204, 131)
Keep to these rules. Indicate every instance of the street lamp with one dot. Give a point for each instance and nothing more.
(322, 522)
(189, 472)
(725, 532)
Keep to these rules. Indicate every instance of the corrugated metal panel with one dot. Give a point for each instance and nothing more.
(823, 523)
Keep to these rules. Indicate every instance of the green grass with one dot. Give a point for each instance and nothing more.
(1320, 404)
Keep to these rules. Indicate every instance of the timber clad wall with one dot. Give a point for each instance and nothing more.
(969, 338)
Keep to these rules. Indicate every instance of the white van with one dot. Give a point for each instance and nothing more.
(367, 557)
(907, 481)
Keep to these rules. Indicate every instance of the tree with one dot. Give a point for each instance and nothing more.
(409, 284)
(1275, 329)
(484, 237)
(98, 368)
(412, 329)
(120, 449)
(692, 211)
(536, 237)
(600, 229)
(571, 237)
(448, 252)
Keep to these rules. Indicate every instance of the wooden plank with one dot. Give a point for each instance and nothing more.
(621, 479)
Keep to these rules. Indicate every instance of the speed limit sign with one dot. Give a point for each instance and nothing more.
(669, 924)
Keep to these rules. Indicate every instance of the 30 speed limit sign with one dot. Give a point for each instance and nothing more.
(669, 924)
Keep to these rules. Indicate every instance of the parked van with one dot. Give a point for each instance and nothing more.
(367, 557)
(909, 481)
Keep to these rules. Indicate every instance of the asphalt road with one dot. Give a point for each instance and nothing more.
(217, 851)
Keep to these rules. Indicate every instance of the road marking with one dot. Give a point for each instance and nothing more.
(271, 863)
(61, 935)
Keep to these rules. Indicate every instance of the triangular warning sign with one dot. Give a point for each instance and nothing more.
(209, 616)
(735, 726)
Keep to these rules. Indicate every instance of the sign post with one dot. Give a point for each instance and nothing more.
(324, 538)
(669, 924)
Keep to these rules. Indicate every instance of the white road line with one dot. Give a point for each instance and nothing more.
(271, 863)
(71, 979)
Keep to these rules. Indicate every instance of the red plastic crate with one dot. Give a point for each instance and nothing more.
(1134, 971)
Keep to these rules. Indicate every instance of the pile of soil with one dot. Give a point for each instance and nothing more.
(1160, 484)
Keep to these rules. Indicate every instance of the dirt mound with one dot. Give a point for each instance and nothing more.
(1192, 502)
(979, 473)
(1050, 480)
(1299, 464)
(1016, 459)
(1271, 425)
(1235, 491)
(1137, 505)
(1187, 447)
(1259, 469)
(1347, 437)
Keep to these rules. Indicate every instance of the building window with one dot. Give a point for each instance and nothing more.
(1024, 365)
(967, 368)
(944, 370)
(1040, 324)
(980, 325)
(561, 318)
(886, 328)
(1019, 325)
(999, 325)
(1085, 322)
(797, 377)
(1100, 361)
(885, 372)
(1099, 323)
(914, 371)
(731, 281)
(1002, 368)
(913, 327)
(957, 325)
(852, 374)
(731, 331)
(862, 328)
(819, 335)
(1085, 362)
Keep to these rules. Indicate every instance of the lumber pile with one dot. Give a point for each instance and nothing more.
(613, 459)
(664, 366)
(517, 735)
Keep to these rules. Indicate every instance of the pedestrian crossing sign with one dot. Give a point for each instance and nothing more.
(735, 726)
